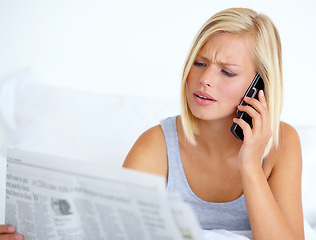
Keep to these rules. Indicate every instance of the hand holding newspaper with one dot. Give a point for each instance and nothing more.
(48, 197)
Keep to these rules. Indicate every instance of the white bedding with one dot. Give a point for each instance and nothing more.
(95, 127)
(222, 234)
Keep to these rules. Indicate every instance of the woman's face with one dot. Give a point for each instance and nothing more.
(220, 76)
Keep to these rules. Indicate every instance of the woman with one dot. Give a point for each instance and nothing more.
(230, 184)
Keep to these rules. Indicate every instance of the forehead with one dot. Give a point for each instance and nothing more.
(228, 47)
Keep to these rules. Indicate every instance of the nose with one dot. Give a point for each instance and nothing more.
(208, 77)
(205, 82)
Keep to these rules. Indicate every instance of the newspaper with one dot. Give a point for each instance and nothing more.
(48, 197)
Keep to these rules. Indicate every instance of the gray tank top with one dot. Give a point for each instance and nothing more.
(231, 216)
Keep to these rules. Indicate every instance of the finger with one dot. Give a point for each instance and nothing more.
(249, 110)
(243, 124)
(256, 117)
(265, 113)
(7, 233)
(262, 98)
(260, 105)
(260, 116)
(7, 229)
(254, 103)
(11, 237)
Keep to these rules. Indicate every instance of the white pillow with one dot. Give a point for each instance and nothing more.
(76, 124)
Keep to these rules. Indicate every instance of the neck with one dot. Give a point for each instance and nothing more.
(216, 138)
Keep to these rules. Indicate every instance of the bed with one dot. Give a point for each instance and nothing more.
(97, 127)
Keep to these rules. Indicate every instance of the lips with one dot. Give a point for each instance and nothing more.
(204, 95)
(203, 98)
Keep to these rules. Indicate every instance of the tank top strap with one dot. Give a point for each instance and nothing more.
(175, 170)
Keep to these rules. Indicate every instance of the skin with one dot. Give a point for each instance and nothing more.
(220, 168)
(7, 233)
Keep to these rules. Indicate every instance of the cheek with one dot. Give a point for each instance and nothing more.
(190, 78)
(191, 82)
(232, 93)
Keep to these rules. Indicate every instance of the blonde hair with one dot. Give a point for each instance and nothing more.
(267, 59)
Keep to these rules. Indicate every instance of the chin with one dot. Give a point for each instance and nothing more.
(204, 116)
(207, 116)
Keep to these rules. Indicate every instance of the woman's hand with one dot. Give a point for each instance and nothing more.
(257, 137)
(7, 232)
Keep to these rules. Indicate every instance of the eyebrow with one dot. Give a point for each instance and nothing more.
(222, 63)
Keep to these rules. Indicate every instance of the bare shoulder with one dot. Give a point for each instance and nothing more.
(286, 159)
(288, 134)
(149, 153)
(289, 142)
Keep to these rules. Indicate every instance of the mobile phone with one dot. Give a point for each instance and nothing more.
(252, 92)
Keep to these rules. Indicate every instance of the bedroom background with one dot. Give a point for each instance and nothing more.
(74, 74)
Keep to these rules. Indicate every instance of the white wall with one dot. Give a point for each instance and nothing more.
(138, 47)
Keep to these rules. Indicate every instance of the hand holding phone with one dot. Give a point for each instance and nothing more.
(252, 92)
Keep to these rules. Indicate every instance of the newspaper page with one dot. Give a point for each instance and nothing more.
(3, 170)
(53, 198)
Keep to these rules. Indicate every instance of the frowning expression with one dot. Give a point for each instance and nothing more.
(219, 77)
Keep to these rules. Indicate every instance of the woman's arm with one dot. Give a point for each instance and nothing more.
(285, 180)
(274, 205)
(149, 153)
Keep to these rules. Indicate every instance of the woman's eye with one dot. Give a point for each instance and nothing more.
(199, 64)
(228, 74)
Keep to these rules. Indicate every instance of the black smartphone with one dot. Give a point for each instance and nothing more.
(252, 92)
